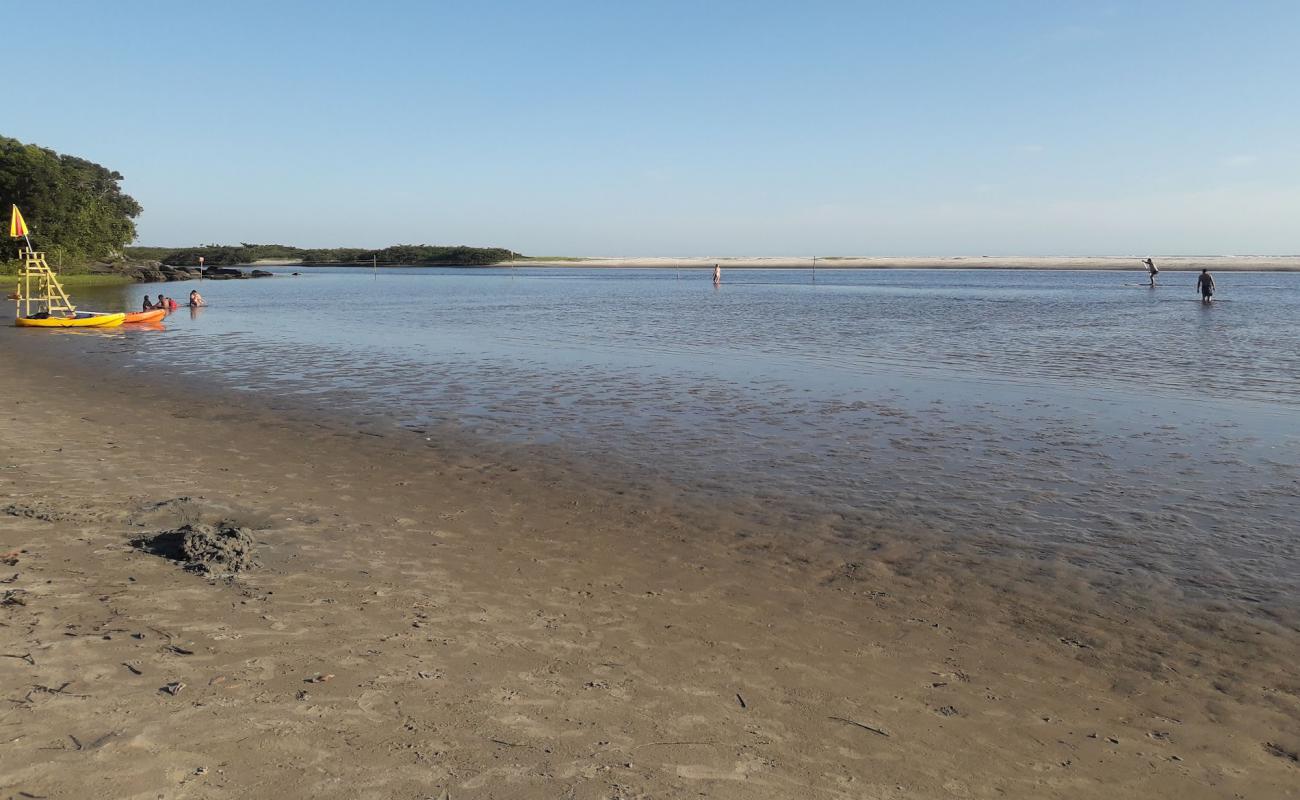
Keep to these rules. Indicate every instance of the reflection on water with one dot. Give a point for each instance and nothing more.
(1088, 329)
(1086, 417)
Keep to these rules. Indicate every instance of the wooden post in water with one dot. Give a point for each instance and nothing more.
(814, 269)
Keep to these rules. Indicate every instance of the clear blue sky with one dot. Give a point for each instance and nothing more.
(680, 128)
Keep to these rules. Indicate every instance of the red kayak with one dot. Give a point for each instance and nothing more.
(145, 316)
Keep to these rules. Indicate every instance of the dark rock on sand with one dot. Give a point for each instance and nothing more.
(209, 549)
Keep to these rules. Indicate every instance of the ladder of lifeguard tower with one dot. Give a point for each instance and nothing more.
(38, 286)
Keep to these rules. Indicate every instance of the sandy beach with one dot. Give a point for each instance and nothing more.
(1131, 263)
(427, 622)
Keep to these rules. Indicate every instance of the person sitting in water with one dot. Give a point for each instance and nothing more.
(196, 299)
(172, 305)
(148, 306)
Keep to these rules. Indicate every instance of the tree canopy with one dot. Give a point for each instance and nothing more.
(77, 212)
(217, 255)
(74, 207)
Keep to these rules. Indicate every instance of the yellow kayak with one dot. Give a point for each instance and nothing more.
(82, 319)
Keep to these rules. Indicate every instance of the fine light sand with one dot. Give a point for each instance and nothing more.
(1132, 263)
(427, 623)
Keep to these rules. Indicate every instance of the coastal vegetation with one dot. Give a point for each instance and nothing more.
(396, 255)
(75, 208)
(79, 215)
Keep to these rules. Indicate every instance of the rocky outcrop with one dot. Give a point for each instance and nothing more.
(157, 272)
(138, 271)
(180, 273)
(227, 273)
(147, 271)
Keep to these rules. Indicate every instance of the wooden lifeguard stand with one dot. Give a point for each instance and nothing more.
(39, 289)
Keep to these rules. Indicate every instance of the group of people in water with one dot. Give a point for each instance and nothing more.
(1204, 281)
(168, 304)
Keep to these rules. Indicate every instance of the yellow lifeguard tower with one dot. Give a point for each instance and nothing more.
(40, 300)
(38, 288)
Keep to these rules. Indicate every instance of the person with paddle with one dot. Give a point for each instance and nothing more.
(1205, 285)
(1152, 270)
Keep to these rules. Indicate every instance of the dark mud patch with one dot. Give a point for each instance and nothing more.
(221, 549)
(52, 512)
(1282, 752)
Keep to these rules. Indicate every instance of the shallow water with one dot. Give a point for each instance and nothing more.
(1063, 415)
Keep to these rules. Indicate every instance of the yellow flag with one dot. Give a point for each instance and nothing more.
(17, 228)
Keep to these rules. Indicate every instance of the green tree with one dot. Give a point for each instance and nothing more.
(73, 206)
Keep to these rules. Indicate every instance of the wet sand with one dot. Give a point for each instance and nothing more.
(427, 622)
(1129, 263)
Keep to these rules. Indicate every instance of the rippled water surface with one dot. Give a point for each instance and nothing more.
(1080, 415)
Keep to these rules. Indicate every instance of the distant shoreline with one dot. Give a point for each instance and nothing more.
(1112, 263)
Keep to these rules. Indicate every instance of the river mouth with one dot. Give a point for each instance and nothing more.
(959, 412)
(517, 598)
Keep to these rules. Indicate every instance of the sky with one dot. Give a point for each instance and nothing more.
(680, 128)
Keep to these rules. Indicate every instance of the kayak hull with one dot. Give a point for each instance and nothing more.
(134, 317)
(85, 319)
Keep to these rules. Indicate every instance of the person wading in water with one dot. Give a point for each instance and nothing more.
(1205, 285)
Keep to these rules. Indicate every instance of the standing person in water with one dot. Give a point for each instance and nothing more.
(717, 275)
(1152, 269)
(1205, 285)
(196, 299)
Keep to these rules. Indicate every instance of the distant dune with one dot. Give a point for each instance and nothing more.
(1133, 263)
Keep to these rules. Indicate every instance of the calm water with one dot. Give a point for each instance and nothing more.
(1066, 415)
